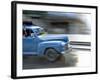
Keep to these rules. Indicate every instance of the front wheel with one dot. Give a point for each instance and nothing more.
(52, 55)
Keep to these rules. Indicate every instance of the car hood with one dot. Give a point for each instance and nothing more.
(54, 37)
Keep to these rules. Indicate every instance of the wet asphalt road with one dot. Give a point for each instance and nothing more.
(73, 59)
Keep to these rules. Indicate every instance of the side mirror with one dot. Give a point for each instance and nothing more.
(34, 35)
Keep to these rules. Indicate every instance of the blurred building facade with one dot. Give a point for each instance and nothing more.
(59, 22)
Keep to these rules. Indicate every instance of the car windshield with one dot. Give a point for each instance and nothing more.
(40, 31)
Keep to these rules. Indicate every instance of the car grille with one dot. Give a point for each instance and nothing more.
(66, 46)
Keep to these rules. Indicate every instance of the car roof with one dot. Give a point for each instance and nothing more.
(32, 27)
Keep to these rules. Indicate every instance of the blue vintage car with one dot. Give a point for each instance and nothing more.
(37, 42)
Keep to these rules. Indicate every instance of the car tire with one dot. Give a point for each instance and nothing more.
(51, 55)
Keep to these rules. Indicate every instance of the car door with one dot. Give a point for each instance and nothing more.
(29, 42)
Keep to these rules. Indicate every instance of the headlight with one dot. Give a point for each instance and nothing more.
(63, 43)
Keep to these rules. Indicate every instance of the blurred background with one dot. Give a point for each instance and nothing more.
(59, 22)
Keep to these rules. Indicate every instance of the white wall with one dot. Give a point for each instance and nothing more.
(5, 37)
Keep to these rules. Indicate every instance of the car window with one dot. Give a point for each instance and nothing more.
(27, 32)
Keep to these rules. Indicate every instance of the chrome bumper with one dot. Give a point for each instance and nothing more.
(67, 51)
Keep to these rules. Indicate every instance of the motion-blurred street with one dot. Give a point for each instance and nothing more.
(75, 58)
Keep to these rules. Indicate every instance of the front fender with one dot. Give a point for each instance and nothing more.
(50, 44)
